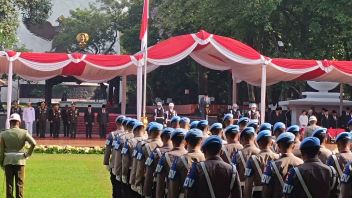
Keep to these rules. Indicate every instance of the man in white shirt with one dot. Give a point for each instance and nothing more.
(29, 117)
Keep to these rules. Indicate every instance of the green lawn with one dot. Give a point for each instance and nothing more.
(65, 176)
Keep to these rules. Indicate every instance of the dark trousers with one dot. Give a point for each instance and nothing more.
(56, 128)
(51, 128)
(73, 130)
(14, 172)
(66, 129)
(42, 128)
(257, 194)
(89, 128)
(102, 133)
(116, 186)
(37, 128)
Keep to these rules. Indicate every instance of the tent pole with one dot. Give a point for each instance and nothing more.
(145, 63)
(9, 94)
(123, 95)
(263, 94)
(234, 88)
(139, 90)
(341, 98)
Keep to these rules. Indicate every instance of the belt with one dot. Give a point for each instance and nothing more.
(14, 154)
(257, 188)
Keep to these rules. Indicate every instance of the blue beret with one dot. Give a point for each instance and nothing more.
(175, 119)
(264, 133)
(137, 124)
(293, 129)
(265, 126)
(178, 132)
(167, 131)
(232, 129)
(215, 126)
(120, 119)
(194, 133)
(310, 142)
(243, 119)
(285, 137)
(248, 130)
(344, 135)
(194, 124)
(349, 123)
(185, 120)
(131, 122)
(202, 123)
(125, 121)
(279, 125)
(155, 127)
(214, 139)
(252, 124)
(319, 131)
(228, 116)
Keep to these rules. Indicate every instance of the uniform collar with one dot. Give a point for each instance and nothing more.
(312, 160)
(195, 151)
(248, 145)
(266, 150)
(215, 158)
(286, 155)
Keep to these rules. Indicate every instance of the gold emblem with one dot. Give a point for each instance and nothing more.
(82, 39)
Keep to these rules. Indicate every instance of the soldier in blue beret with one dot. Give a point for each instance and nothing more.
(265, 126)
(213, 177)
(216, 129)
(203, 125)
(312, 178)
(276, 171)
(247, 138)
(242, 122)
(325, 153)
(294, 129)
(182, 165)
(185, 123)
(194, 124)
(227, 120)
(344, 155)
(256, 163)
(278, 128)
(232, 134)
(253, 124)
(165, 163)
(175, 122)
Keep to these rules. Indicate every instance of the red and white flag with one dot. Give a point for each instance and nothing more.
(143, 36)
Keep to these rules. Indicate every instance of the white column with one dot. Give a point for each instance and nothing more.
(263, 94)
(123, 94)
(9, 93)
(139, 90)
(234, 88)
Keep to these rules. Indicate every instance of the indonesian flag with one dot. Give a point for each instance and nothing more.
(143, 36)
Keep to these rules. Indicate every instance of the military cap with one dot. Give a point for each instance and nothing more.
(243, 119)
(126, 120)
(120, 119)
(265, 126)
(319, 131)
(167, 131)
(131, 122)
(185, 120)
(178, 132)
(343, 135)
(214, 139)
(202, 123)
(15, 116)
(228, 116)
(194, 133)
(136, 125)
(155, 127)
(310, 142)
(293, 129)
(349, 123)
(252, 124)
(248, 130)
(285, 137)
(194, 124)
(175, 119)
(232, 129)
(215, 126)
(264, 133)
(279, 125)
(148, 126)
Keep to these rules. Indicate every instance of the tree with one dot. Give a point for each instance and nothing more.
(33, 11)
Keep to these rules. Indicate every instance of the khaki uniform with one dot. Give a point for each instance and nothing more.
(13, 157)
(179, 170)
(146, 149)
(163, 168)
(223, 177)
(151, 163)
(272, 182)
(254, 172)
(346, 182)
(241, 157)
(319, 179)
(324, 154)
(229, 150)
(339, 160)
(120, 142)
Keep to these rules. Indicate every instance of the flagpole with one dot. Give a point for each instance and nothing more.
(145, 63)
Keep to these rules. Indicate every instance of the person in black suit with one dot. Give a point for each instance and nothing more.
(325, 119)
(334, 120)
(89, 121)
(64, 117)
(103, 120)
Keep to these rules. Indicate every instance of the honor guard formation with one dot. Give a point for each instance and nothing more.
(174, 157)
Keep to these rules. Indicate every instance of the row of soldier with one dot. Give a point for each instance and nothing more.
(194, 159)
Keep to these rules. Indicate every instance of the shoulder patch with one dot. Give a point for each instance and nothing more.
(267, 174)
(234, 160)
(125, 149)
(289, 185)
(150, 159)
(330, 161)
(173, 170)
(346, 176)
(249, 169)
(191, 177)
(160, 165)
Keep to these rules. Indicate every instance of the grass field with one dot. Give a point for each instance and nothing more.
(65, 176)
